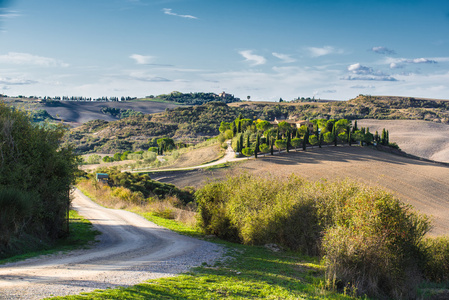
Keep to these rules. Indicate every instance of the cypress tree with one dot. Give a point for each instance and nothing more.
(383, 139)
(241, 142)
(247, 141)
(271, 142)
(320, 139)
(277, 135)
(354, 129)
(257, 146)
(288, 142)
(304, 140)
(334, 132)
(349, 138)
(388, 138)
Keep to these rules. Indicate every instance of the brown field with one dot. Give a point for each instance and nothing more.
(424, 185)
(77, 112)
(421, 138)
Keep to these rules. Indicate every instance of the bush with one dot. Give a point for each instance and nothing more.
(371, 241)
(16, 207)
(374, 245)
(436, 251)
(32, 161)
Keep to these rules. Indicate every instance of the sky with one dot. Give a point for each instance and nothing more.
(265, 49)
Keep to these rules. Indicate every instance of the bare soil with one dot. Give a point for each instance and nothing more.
(424, 185)
(421, 138)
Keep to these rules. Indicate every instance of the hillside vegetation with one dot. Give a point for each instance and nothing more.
(196, 123)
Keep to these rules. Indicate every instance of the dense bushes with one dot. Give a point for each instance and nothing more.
(369, 240)
(32, 161)
(143, 184)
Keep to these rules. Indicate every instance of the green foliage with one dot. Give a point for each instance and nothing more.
(16, 208)
(313, 140)
(296, 142)
(436, 251)
(196, 98)
(142, 186)
(31, 160)
(93, 159)
(248, 151)
(280, 144)
(370, 240)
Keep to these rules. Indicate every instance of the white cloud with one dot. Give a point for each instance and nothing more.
(367, 73)
(317, 52)
(254, 59)
(382, 50)
(16, 81)
(402, 62)
(142, 59)
(9, 14)
(30, 59)
(284, 57)
(168, 11)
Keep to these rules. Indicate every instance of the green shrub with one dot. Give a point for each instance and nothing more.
(436, 252)
(16, 207)
(373, 245)
(371, 241)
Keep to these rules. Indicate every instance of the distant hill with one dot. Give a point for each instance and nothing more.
(194, 123)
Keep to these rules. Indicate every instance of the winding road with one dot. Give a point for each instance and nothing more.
(130, 250)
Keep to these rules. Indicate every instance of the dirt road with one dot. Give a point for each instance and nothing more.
(131, 250)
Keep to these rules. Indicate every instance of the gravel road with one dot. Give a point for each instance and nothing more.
(130, 250)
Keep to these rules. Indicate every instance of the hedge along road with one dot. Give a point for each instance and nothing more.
(130, 250)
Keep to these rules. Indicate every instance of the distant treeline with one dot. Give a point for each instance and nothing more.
(195, 98)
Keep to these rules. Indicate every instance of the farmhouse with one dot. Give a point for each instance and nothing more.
(295, 123)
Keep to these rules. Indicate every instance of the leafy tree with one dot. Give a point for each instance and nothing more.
(248, 152)
(280, 144)
(313, 140)
(264, 148)
(33, 161)
(296, 142)
(284, 127)
(303, 130)
(224, 126)
(118, 156)
(263, 125)
(328, 137)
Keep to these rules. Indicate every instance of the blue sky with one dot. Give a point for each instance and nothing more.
(265, 49)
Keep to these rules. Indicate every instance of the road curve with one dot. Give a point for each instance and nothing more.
(130, 250)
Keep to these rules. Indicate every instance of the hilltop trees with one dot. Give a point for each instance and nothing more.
(261, 134)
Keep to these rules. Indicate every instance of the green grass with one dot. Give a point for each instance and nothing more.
(249, 273)
(82, 235)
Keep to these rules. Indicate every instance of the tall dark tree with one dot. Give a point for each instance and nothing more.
(271, 144)
(354, 129)
(334, 132)
(256, 149)
(305, 140)
(320, 139)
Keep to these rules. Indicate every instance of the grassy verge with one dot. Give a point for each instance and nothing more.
(81, 235)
